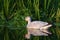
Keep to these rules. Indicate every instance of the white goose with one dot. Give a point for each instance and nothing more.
(36, 28)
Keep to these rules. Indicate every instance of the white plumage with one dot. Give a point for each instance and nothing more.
(37, 28)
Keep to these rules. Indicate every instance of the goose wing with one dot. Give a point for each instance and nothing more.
(36, 24)
(37, 32)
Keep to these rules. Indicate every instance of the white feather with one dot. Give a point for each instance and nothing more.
(37, 28)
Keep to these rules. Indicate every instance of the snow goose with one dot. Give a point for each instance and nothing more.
(36, 28)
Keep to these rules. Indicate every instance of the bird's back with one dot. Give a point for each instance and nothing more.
(36, 24)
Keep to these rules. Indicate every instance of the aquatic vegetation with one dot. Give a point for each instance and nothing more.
(13, 12)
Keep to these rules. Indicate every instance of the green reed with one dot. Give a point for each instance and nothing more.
(13, 12)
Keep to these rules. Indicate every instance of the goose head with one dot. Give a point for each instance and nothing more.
(28, 19)
(27, 36)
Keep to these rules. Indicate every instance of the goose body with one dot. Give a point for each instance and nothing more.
(37, 28)
(36, 24)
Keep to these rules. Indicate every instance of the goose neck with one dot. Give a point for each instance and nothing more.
(29, 21)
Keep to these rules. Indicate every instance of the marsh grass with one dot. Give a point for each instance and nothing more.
(13, 12)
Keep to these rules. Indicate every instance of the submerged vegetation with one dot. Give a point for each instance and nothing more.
(13, 12)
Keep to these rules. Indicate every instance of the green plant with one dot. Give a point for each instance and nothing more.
(13, 12)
